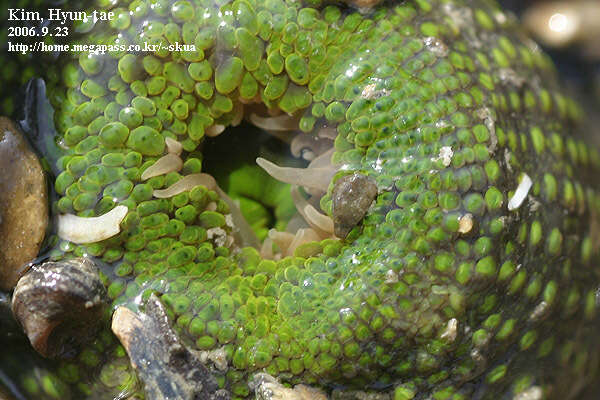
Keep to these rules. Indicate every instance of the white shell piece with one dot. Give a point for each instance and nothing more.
(82, 230)
(521, 193)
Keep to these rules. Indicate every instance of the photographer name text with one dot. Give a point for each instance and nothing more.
(58, 15)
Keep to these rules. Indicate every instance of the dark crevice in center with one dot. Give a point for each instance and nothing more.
(231, 158)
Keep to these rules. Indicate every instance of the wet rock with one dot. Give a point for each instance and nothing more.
(167, 369)
(60, 305)
(9, 328)
(4, 395)
(267, 387)
(351, 198)
(358, 395)
(23, 204)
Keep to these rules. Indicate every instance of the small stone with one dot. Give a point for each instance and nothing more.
(339, 394)
(391, 276)
(465, 223)
(218, 357)
(23, 204)
(268, 388)
(450, 332)
(309, 393)
(532, 393)
(351, 198)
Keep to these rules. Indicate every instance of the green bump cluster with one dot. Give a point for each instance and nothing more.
(453, 286)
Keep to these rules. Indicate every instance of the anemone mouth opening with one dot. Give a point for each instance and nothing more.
(230, 159)
(275, 175)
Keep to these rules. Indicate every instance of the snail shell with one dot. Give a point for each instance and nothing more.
(60, 305)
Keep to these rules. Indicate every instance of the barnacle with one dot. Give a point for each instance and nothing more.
(445, 277)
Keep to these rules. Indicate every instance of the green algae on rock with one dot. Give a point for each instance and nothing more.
(473, 273)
